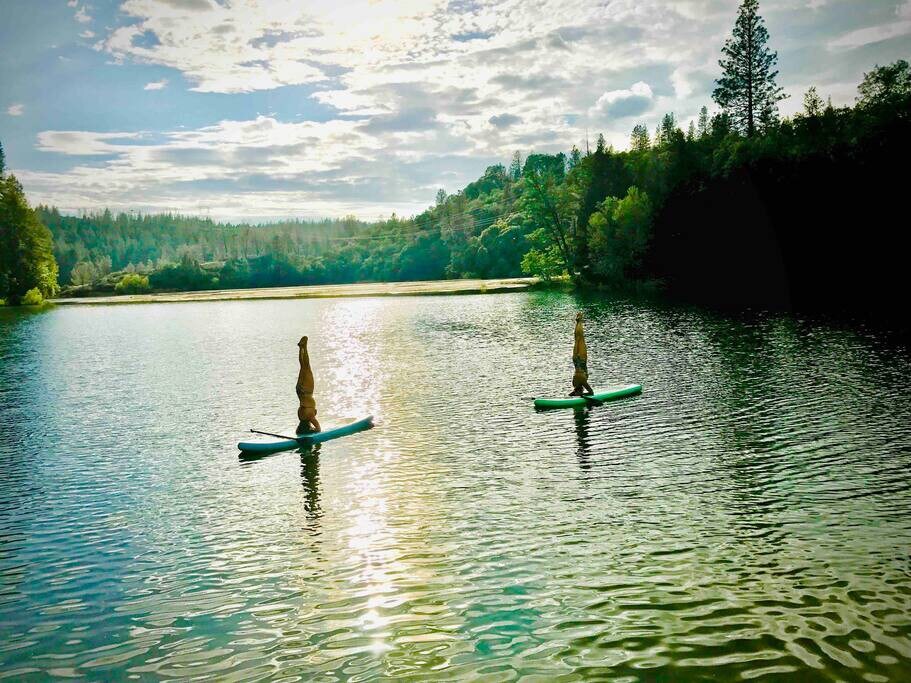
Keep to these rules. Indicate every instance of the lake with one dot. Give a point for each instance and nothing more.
(748, 516)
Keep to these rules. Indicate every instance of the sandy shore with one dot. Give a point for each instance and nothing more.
(317, 291)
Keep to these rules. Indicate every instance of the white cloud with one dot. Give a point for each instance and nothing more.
(16, 109)
(81, 142)
(632, 101)
(87, 34)
(876, 34)
(156, 85)
(414, 95)
(72, 3)
(82, 15)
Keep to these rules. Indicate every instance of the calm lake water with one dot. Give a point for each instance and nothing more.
(747, 517)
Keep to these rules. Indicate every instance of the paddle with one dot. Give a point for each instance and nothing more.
(279, 436)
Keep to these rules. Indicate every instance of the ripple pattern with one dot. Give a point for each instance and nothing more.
(747, 517)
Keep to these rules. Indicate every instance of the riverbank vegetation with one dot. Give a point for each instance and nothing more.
(741, 208)
(28, 270)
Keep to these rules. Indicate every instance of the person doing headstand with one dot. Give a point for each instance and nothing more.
(580, 362)
(306, 413)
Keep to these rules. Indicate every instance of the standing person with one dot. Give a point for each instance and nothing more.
(580, 362)
(306, 413)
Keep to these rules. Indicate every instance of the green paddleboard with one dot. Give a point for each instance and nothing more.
(610, 394)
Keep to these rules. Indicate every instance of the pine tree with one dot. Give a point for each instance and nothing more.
(639, 141)
(667, 129)
(812, 103)
(691, 132)
(515, 168)
(2, 161)
(747, 90)
(575, 158)
(703, 127)
(602, 144)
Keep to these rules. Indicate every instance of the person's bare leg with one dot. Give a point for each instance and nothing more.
(305, 382)
(306, 412)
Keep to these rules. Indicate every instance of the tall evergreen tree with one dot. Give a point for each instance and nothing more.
(747, 90)
(703, 128)
(515, 168)
(639, 141)
(666, 129)
(812, 103)
(2, 161)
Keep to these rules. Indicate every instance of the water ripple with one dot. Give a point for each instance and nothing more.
(745, 517)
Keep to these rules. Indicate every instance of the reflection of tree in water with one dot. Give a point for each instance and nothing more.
(310, 481)
(582, 419)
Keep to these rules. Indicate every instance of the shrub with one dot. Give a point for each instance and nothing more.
(33, 297)
(132, 283)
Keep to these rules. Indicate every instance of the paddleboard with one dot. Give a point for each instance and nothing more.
(306, 439)
(610, 394)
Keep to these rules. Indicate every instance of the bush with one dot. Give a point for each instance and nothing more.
(132, 283)
(33, 297)
(545, 264)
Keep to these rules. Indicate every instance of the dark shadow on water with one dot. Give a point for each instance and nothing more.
(582, 418)
(310, 480)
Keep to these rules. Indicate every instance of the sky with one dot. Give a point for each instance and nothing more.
(262, 109)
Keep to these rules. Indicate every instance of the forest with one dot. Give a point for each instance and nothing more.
(743, 208)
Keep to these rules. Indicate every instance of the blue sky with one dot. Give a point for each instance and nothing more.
(259, 109)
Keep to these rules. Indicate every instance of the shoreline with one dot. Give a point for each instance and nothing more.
(416, 288)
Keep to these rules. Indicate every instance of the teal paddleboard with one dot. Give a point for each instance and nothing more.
(611, 394)
(305, 439)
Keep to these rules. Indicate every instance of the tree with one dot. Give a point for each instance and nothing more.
(83, 273)
(575, 158)
(602, 144)
(691, 132)
(667, 129)
(26, 247)
(885, 85)
(639, 141)
(550, 205)
(703, 127)
(812, 103)
(620, 232)
(2, 161)
(515, 168)
(747, 90)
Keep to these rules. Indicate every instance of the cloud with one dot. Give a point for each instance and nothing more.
(876, 34)
(16, 109)
(620, 104)
(156, 85)
(192, 5)
(414, 95)
(504, 120)
(82, 142)
(86, 34)
(82, 16)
